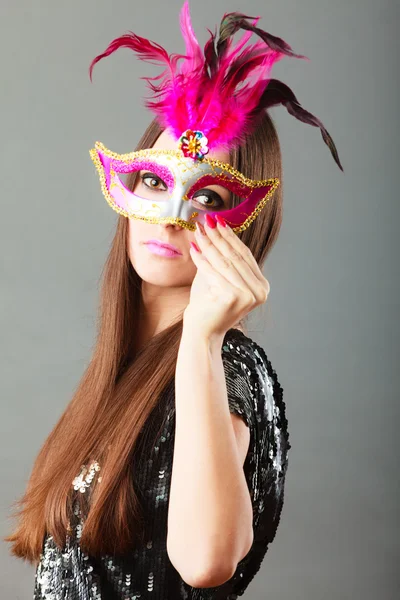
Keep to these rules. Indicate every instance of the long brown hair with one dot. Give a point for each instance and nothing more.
(120, 386)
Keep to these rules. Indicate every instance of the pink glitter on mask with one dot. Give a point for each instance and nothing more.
(235, 186)
(163, 172)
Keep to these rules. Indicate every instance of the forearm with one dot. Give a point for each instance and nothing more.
(208, 487)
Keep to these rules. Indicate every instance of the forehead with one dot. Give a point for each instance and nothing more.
(166, 141)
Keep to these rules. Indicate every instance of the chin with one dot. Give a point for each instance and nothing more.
(165, 273)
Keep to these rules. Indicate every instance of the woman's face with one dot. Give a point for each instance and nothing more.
(163, 271)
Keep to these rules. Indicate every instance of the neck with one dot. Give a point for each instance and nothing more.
(160, 308)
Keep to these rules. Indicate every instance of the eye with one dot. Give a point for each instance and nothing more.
(208, 198)
(152, 181)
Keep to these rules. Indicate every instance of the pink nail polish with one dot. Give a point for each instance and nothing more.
(200, 228)
(220, 220)
(194, 246)
(210, 222)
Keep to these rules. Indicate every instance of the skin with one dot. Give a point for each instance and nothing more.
(213, 290)
(166, 282)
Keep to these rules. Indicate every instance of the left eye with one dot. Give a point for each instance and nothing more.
(207, 197)
(152, 181)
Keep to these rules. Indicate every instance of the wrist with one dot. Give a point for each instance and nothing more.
(192, 328)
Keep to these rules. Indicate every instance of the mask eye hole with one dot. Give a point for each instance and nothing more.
(153, 181)
(208, 198)
(212, 192)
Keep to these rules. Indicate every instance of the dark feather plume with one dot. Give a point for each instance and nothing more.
(232, 22)
(278, 92)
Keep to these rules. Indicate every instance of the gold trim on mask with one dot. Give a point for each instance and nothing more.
(149, 152)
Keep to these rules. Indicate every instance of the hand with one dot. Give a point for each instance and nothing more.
(228, 283)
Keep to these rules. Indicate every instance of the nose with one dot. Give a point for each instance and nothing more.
(167, 225)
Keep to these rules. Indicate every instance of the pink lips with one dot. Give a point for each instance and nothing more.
(162, 248)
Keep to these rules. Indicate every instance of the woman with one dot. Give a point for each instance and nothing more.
(164, 477)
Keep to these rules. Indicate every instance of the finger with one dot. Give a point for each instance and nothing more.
(229, 236)
(234, 260)
(220, 263)
(214, 279)
(226, 234)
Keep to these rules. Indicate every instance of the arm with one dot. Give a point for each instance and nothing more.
(210, 512)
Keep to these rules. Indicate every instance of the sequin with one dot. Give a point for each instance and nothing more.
(85, 477)
(255, 394)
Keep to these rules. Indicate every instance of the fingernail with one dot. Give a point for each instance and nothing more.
(210, 222)
(220, 220)
(200, 228)
(194, 246)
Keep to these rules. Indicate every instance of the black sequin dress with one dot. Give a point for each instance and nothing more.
(254, 393)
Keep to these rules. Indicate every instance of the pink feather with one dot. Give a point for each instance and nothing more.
(221, 90)
(195, 59)
(187, 95)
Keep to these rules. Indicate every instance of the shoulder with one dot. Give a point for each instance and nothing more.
(254, 390)
(255, 393)
(244, 356)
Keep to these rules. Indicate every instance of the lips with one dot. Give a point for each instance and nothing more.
(164, 245)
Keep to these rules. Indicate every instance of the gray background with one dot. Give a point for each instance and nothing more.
(330, 326)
